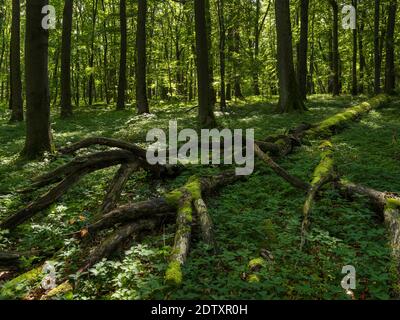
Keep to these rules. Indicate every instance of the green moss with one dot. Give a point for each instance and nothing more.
(326, 164)
(186, 210)
(193, 187)
(256, 263)
(325, 127)
(253, 278)
(61, 291)
(19, 286)
(173, 275)
(173, 197)
(392, 203)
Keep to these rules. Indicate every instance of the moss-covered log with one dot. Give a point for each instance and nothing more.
(182, 199)
(205, 222)
(19, 287)
(388, 206)
(330, 126)
(58, 292)
(323, 173)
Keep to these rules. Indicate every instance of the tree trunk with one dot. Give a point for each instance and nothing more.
(222, 38)
(390, 68)
(303, 48)
(361, 53)
(122, 61)
(335, 48)
(141, 91)
(206, 114)
(38, 131)
(66, 105)
(91, 58)
(289, 98)
(377, 51)
(16, 103)
(213, 94)
(256, 85)
(354, 84)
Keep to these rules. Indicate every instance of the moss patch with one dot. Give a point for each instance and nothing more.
(18, 287)
(173, 276)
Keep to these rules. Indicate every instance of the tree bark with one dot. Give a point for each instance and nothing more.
(141, 88)
(377, 51)
(38, 131)
(289, 98)
(66, 105)
(390, 75)
(303, 49)
(16, 103)
(206, 113)
(335, 48)
(354, 84)
(222, 40)
(122, 60)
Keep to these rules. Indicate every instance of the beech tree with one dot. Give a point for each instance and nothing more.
(16, 103)
(38, 130)
(289, 97)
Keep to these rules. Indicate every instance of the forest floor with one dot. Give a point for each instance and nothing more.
(260, 214)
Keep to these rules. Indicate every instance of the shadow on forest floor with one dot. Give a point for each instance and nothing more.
(262, 213)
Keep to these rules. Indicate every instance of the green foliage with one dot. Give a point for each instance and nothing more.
(255, 219)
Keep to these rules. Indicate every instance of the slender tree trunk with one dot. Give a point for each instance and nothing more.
(237, 76)
(122, 60)
(256, 85)
(289, 98)
(16, 103)
(354, 84)
(361, 52)
(303, 49)
(141, 92)
(213, 94)
(206, 114)
(377, 50)
(335, 48)
(66, 105)
(91, 59)
(38, 131)
(390, 68)
(222, 38)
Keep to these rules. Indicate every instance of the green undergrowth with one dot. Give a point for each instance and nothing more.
(257, 221)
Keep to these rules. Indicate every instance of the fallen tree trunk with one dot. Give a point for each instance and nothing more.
(333, 124)
(112, 243)
(117, 185)
(294, 181)
(206, 224)
(10, 260)
(108, 142)
(323, 174)
(43, 202)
